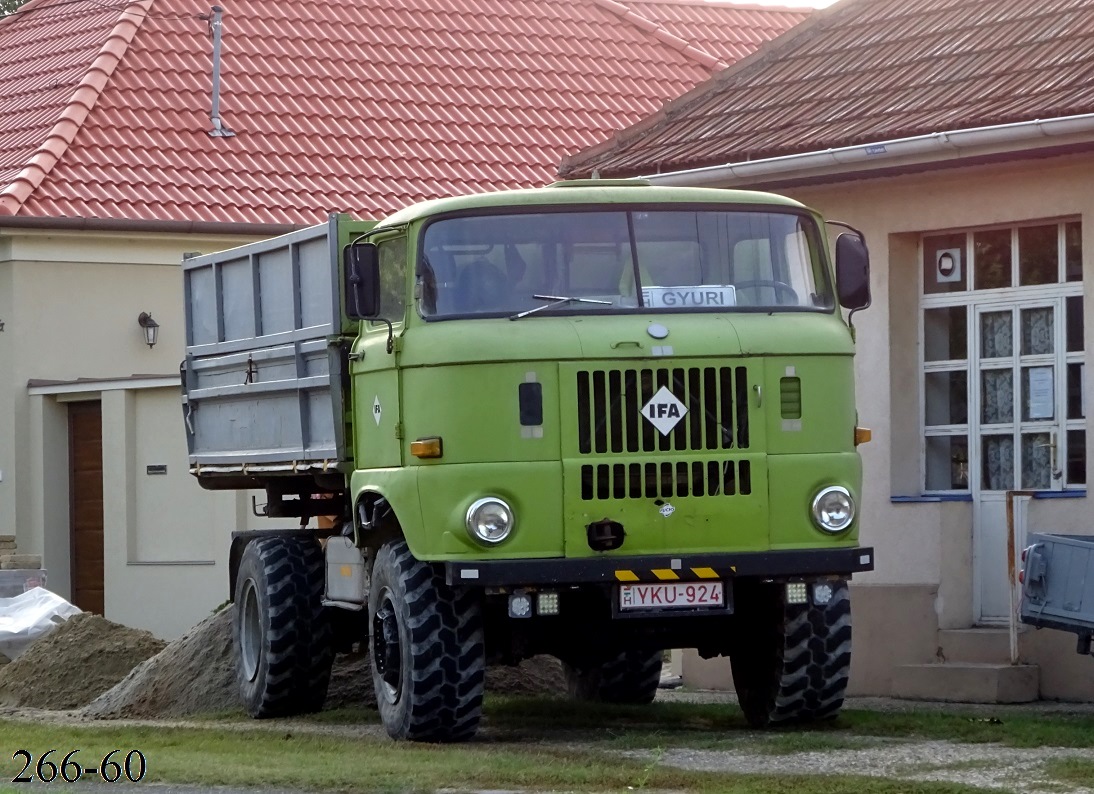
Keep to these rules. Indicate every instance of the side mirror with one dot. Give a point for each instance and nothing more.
(361, 275)
(852, 272)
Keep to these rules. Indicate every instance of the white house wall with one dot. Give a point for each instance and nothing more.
(70, 302)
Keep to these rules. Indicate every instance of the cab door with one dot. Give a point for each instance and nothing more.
(374, 372)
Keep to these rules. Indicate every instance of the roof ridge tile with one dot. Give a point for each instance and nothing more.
(23, 184)
(688, 48)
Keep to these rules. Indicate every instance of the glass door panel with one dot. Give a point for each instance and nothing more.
(997, 456)
(1018, 411)
(1038, 460)
(1038, 331)
(997, 396)
(997, 334)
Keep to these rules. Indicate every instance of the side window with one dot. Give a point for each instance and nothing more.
(393, 279)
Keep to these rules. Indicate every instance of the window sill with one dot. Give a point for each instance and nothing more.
(1068, 494)
(967, 497)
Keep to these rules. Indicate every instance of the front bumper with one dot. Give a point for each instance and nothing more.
(696, 567)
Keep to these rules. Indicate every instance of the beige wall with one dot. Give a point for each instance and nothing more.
(70, 303)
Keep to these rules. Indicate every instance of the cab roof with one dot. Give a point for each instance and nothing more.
(587, 191)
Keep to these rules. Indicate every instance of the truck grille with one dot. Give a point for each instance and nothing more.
(665, 480)
(609, 404)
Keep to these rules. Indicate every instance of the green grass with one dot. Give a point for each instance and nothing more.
(282, 758)
(720, 726)
(536, 744)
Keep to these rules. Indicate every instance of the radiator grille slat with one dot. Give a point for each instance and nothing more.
(609, 410)
(665, 480)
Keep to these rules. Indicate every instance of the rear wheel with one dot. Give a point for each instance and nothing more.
(282, 638)
(312, 692)
(428, 657)
(629, 677)
(792, 661)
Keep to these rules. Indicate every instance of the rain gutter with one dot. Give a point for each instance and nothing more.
(150, 226)
(955, 143)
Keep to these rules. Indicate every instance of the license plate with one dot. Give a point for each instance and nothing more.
(671, 595)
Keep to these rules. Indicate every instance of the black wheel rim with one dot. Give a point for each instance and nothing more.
(387, 657)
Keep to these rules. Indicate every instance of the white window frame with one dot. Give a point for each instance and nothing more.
(972, 300)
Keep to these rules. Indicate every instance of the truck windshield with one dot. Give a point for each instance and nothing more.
(648, 259)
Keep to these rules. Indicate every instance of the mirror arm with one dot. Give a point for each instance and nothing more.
(861, 236)
(850, 314)
(390, 331)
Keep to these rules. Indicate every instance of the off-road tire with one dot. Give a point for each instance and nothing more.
(280, 636)
(630, 677)
(791, 662)
(312, 690)
(426, 645)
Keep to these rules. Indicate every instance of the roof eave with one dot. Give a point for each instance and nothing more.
(148, 226)
(925, 150)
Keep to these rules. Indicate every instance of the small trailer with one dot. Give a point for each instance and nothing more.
(1058, 585)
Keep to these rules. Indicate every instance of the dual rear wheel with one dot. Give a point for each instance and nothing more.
(282, 633)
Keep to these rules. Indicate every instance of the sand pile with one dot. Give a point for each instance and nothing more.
(115, 672)
(75, 663)
(195, 674)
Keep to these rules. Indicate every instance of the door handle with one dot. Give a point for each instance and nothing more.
(1053, 447)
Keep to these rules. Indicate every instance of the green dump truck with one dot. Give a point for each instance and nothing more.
(596, 420)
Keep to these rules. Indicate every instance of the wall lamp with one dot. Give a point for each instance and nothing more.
(150, 327)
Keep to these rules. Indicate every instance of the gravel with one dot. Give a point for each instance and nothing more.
(984, 765)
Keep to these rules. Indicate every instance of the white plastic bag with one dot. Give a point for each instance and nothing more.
(28, 616)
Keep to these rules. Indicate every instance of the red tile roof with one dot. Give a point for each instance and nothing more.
(336, 104)
(864, 71)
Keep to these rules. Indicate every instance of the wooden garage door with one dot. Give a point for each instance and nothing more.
(85, 423)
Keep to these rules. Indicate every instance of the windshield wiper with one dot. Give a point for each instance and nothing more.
(555, 300)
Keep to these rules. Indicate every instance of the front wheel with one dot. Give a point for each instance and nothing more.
(428, 657)
(791, 662)
(628, 677)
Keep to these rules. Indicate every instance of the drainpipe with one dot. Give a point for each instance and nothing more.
(954, 142)
(219, 130)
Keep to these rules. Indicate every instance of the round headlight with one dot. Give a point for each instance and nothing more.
(833, 509)
(489, 520)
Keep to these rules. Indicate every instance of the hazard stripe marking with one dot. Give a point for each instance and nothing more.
(626, 576)
(705, 573)
(665, 573)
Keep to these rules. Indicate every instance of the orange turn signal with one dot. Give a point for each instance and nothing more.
(863, 435)
(426, 447)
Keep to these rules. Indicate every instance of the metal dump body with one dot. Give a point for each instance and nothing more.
(262, 375)
(1058, 584)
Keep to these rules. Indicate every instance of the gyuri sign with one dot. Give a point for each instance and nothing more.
(701, 296)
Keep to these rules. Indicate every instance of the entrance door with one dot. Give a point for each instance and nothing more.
(85, 426)
(1017, 418)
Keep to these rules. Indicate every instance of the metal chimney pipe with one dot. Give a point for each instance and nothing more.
(219, 129)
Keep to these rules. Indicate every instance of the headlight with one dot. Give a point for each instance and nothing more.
(833, 509)
(490, 520)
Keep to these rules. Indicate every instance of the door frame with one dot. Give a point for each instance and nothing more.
(1053, 297)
